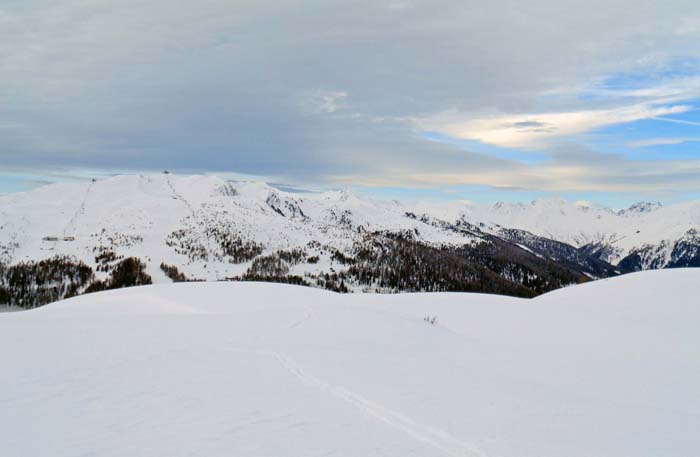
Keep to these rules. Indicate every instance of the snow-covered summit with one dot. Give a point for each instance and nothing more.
(641, 207)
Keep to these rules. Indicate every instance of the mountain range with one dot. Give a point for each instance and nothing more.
(65, 239)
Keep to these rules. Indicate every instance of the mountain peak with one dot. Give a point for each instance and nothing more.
(641, 207)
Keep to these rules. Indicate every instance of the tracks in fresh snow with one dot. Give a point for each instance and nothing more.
(72, 225)
(178, 196)
(309, 314)
(434, 437)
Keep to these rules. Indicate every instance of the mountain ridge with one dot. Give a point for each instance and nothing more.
(206, 228)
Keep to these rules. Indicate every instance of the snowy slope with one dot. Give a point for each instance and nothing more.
(610, 368)
(621, 232)
(134, 216)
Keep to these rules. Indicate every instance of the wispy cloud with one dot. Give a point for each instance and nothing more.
(657, 88)
(613, 175)
(662, 142)
(677, 121)
(534, 130)
(318, 101)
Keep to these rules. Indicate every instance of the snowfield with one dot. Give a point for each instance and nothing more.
(609, 368)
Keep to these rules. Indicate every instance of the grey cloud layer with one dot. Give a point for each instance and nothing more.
(317, 90)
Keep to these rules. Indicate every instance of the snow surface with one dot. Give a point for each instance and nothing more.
(609, 368)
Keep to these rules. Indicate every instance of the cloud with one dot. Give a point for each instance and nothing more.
(534, 130)
(529, 124)
(641, 178)
(572, 168)
(329, 91)
(678, 121)
(654, 86)
(320, 101)
(662, 141)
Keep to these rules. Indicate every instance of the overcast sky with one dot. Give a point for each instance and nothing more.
(466, 99)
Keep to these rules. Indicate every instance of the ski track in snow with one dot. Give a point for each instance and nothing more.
(72, 224)
(309, 315)
(434, 437)
(178, 196)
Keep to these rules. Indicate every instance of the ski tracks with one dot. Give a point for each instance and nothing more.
(72, 224)
(434, 437)
(309, 314)
(178, 196)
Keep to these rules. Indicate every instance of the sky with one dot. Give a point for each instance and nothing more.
(502, 100)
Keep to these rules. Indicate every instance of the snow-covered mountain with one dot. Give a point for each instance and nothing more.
(610, 235)
(131, 230)
(606, 369)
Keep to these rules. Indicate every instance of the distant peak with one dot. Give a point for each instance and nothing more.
(641, 207)
(342, 195)
(347, 193)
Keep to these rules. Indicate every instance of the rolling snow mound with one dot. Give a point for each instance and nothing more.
(609, 368)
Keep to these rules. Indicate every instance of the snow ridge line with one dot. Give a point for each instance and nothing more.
(434, 437)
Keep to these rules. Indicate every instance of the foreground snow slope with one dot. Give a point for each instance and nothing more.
(610, 368)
